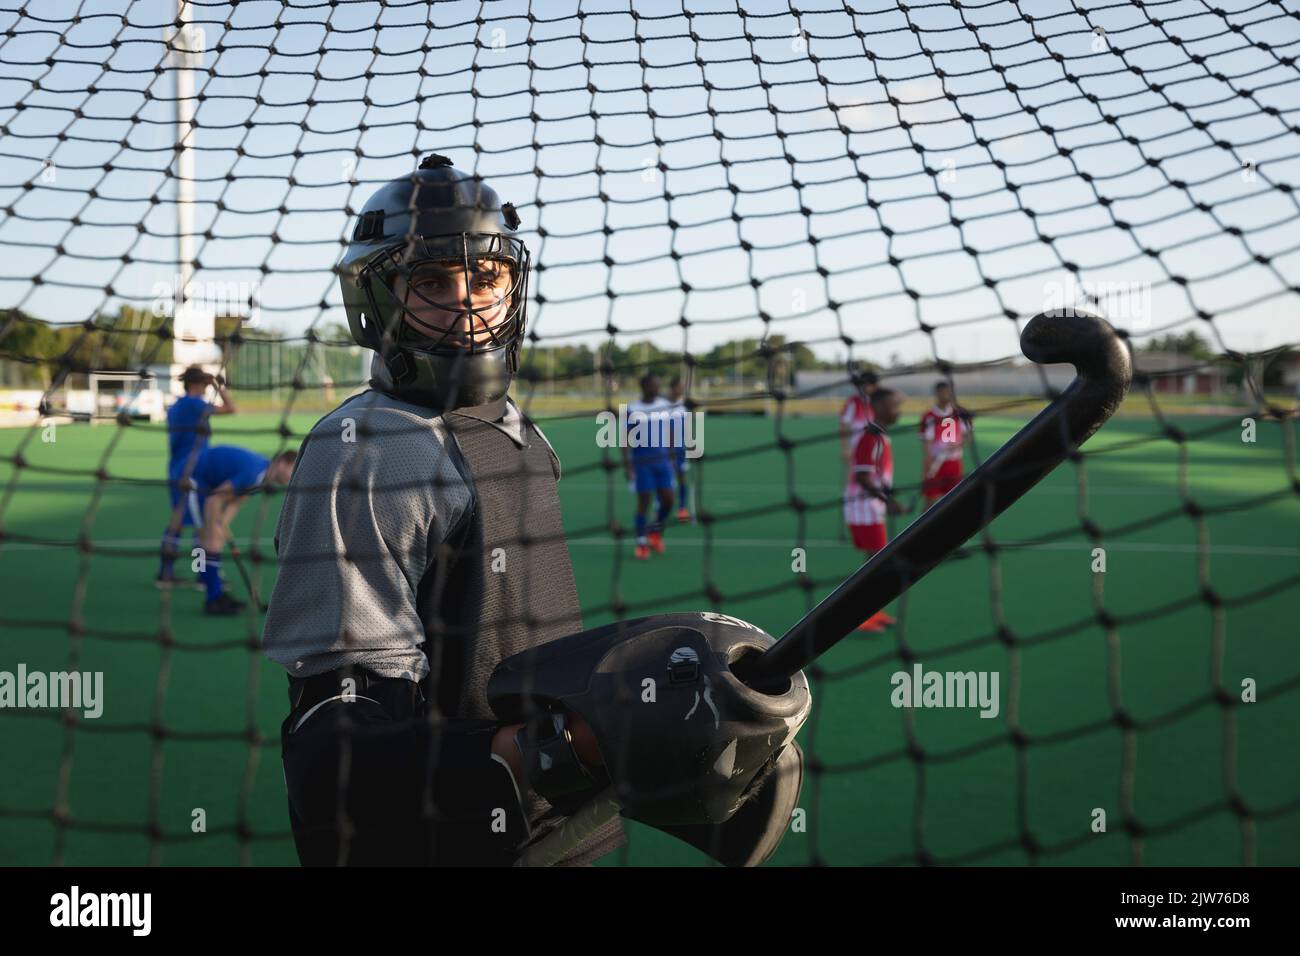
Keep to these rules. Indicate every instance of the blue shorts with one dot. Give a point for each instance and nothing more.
(190, 517)
(191, 507)
(683, 464)
(653, 475)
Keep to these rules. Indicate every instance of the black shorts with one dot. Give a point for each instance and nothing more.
(373, 780)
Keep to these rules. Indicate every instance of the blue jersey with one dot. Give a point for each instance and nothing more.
(219, 464)
(649, 430)
(187, 429)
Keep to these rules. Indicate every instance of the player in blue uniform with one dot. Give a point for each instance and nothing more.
(187, 435)
(676, 391)
(223, 478)
(648, 461)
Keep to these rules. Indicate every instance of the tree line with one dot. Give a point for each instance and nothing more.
(33, 352)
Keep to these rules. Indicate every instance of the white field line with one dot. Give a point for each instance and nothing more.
(147, 545)
(1110, 544)
(777, 488)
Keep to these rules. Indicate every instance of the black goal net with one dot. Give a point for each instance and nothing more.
(775, 210)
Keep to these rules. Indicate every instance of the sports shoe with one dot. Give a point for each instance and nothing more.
(684, 514)
(876, 623)
(164, 581)
(224, 606)
(657, 542)
(643, 552)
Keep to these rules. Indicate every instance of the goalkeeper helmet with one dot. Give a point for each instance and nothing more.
(436, 283)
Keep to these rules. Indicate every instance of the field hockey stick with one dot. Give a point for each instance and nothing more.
(1104, 372)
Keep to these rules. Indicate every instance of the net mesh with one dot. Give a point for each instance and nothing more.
(757, 200)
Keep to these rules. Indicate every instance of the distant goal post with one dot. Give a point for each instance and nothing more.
(110, 395)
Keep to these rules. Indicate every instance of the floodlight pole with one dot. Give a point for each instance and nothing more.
(185, 151)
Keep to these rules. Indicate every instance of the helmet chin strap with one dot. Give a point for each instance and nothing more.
(441, 381)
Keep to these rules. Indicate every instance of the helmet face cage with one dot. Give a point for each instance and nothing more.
(403, 328)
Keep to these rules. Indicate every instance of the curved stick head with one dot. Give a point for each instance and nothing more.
(1098, 354)
(1086, 341)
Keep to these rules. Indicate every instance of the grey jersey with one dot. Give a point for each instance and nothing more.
(388, 541)
(377, 489)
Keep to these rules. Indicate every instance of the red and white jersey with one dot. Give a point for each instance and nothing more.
(944, 431)
(872, 456)
(857, 415)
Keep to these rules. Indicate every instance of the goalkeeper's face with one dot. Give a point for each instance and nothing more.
(446, 305)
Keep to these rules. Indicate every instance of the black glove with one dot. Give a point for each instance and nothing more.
(551, 764)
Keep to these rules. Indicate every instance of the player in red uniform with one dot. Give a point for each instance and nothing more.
(945, 429)
(854, 418)
(872, 497)
(855, 415)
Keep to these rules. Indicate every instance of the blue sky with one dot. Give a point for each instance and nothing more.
(271, 209)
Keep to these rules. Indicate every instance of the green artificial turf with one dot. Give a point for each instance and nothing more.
(192, 722)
